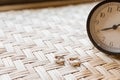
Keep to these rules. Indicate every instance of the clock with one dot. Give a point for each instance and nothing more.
(103, 26)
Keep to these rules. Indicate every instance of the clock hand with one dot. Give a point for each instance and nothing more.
(106, 29)
(114, 27)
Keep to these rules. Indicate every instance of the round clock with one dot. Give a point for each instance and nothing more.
(103, 26)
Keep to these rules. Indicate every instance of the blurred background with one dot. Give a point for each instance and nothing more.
(22, 4)
(4, 2)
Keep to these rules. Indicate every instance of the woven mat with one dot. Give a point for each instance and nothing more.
(29, 40)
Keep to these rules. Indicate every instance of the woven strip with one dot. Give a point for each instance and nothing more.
(29, 40)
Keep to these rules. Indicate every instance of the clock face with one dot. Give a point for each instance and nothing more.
(103, 26)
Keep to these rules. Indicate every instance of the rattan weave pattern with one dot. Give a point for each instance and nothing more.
(29, 40)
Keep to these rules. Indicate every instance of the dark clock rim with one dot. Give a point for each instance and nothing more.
(88, 26)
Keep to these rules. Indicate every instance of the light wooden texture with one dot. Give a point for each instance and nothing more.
(30, 39)
(43, 4)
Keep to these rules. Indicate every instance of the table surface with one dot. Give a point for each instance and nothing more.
(6, 2)
(30, 39)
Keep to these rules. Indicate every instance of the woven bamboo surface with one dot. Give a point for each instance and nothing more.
(30, 39)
